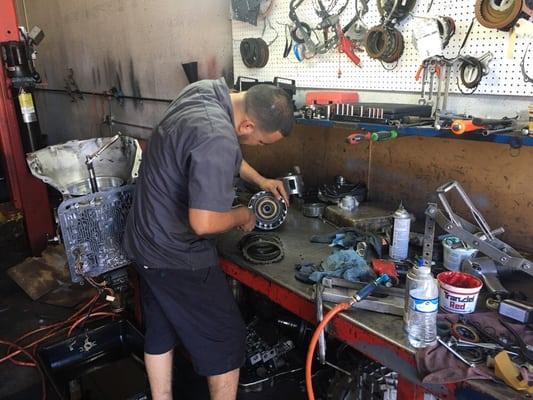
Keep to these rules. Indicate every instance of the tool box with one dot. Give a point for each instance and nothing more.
(104, 363)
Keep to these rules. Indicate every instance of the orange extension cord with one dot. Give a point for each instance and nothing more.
(312, 345)
(90, 309)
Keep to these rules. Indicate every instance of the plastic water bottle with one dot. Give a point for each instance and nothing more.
(421, 307)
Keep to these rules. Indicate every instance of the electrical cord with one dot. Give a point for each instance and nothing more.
(82, 319)
(31, 357)
(254, 52)
(16, 348)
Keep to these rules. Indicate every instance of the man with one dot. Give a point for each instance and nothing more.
(183, 198)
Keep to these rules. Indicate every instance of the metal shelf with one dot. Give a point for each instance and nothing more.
(420, 131)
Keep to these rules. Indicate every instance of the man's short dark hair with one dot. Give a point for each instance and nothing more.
(271, 108)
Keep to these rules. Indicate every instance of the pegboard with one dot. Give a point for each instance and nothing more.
(321, 71)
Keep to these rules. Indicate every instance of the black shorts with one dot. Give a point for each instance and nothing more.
(198, 309)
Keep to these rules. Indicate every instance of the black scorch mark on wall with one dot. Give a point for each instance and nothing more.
(135, 86)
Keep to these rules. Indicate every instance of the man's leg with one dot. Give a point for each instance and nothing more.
(224, 386)
(159, 368)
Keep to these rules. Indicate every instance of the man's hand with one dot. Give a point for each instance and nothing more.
(273, 186)
(276, 187)
(250, 224)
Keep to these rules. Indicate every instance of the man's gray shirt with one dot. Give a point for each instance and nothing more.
(192, 159)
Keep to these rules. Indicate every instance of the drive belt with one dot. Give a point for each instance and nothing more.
(254, 52)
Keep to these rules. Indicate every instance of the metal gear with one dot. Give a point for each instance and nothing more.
(498, 14)
(270, 212)
(261, 248)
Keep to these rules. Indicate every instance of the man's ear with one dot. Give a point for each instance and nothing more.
(247, 127)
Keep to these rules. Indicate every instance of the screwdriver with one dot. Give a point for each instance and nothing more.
(383, 135)
(460, 126)
(358, 137)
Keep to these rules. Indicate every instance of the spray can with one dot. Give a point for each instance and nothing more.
(400, 236)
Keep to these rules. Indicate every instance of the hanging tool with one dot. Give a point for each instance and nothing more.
(422, 68)
(288, 42)
(527, 78)
(441, 68)
(472, 69)
(434, 69)
(348, 47)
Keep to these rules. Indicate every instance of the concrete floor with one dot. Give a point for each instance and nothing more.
(19, 314)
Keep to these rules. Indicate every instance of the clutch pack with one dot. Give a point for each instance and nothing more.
(270, 212)
(261, 248)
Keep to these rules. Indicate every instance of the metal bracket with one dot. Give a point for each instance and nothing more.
(429, 233)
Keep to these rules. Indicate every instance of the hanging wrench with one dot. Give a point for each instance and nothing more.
(447, 73)
(434, 69)
(438, 106)
(424, 70)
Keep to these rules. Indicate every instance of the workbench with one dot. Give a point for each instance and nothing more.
(378, 336)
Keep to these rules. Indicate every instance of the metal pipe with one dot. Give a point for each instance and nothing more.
(104, 94)
(114, 121)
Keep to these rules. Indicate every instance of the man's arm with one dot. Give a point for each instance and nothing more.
(205, 222)
(274, 186)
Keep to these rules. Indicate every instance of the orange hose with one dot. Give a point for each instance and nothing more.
(94, 314)
(53, 330)
(31, 357)
(312, 345)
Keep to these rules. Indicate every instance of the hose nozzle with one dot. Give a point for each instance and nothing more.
(368, 289)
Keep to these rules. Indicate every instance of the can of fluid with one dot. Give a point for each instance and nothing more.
(400, 234)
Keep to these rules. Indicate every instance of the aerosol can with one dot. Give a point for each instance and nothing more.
(400, 235)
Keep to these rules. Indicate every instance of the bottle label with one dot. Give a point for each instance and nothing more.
(26, 103)
(424, 305)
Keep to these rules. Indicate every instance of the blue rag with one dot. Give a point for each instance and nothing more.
(346, 264)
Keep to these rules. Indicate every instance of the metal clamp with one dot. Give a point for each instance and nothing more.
(527, 78)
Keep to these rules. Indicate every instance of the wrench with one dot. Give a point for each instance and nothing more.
(422, 99)
(439, 88)
(447, 73)
(432, 71)
(455, 353)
